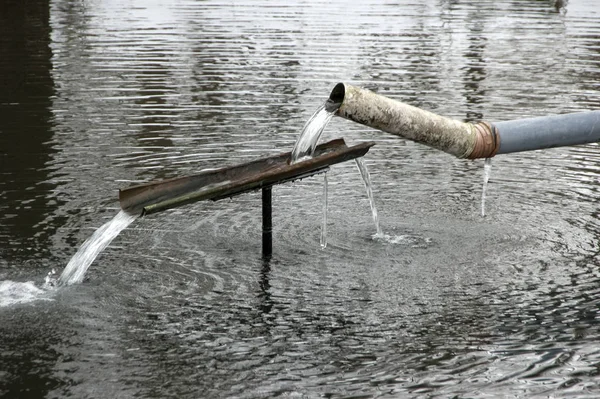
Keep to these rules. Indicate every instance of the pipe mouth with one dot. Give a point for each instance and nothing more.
(336, 98)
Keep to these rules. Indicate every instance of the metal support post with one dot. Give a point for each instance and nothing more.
(267, 222)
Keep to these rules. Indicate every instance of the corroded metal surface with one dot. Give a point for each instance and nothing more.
(383, 113)
(234, 180)
(487, 140)
(463, 140)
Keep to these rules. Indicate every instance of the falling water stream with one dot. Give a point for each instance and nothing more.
(311, 132)
(13, 292)
(305, 147)
(91, 248)
(364, 172)
(324, 225)
(487, 169)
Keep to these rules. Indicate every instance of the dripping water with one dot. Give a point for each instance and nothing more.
(92, 247)
(487, 168)
(311, 133)
(305, 147)
(364, 172)
(324, 225)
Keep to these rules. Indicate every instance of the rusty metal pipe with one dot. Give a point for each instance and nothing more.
(461, 139)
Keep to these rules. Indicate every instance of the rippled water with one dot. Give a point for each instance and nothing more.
(99, 95)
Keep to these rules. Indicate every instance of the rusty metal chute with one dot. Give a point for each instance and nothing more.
(234, 180)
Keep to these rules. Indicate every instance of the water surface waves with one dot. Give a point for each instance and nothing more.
(99, 95)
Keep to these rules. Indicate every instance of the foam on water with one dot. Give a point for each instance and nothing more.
(408, 240)
(15, 292)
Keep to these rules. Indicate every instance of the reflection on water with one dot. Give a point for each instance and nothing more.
(97, 95)
(26, 88)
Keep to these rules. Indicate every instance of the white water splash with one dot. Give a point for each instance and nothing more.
(90, 249)
(15, 292)
(307, 141)
(364, 172)
(487, 169)
(408, 240)
(324, 225)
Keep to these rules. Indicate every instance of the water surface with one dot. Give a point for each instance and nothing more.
(99, 95)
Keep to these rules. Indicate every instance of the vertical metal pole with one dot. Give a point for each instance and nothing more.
(267, 222)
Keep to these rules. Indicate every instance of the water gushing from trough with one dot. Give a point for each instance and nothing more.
(14, 292)
(81, 261)
(364, 172)
(324, 225)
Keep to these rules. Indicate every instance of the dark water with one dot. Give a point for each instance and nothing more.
(98, 95)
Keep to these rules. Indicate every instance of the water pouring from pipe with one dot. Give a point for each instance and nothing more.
(306, 143)
(305, 146)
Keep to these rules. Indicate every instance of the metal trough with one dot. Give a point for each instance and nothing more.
(230, 181)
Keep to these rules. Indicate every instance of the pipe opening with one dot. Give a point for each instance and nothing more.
(336, 97)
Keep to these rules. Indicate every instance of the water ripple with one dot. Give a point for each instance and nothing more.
(448, 304)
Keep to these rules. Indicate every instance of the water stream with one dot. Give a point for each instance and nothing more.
(91, 248)
(364, 172)
(311, 133)
(16, 292)
(324, 225)
(487, 169)
(305, 147)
